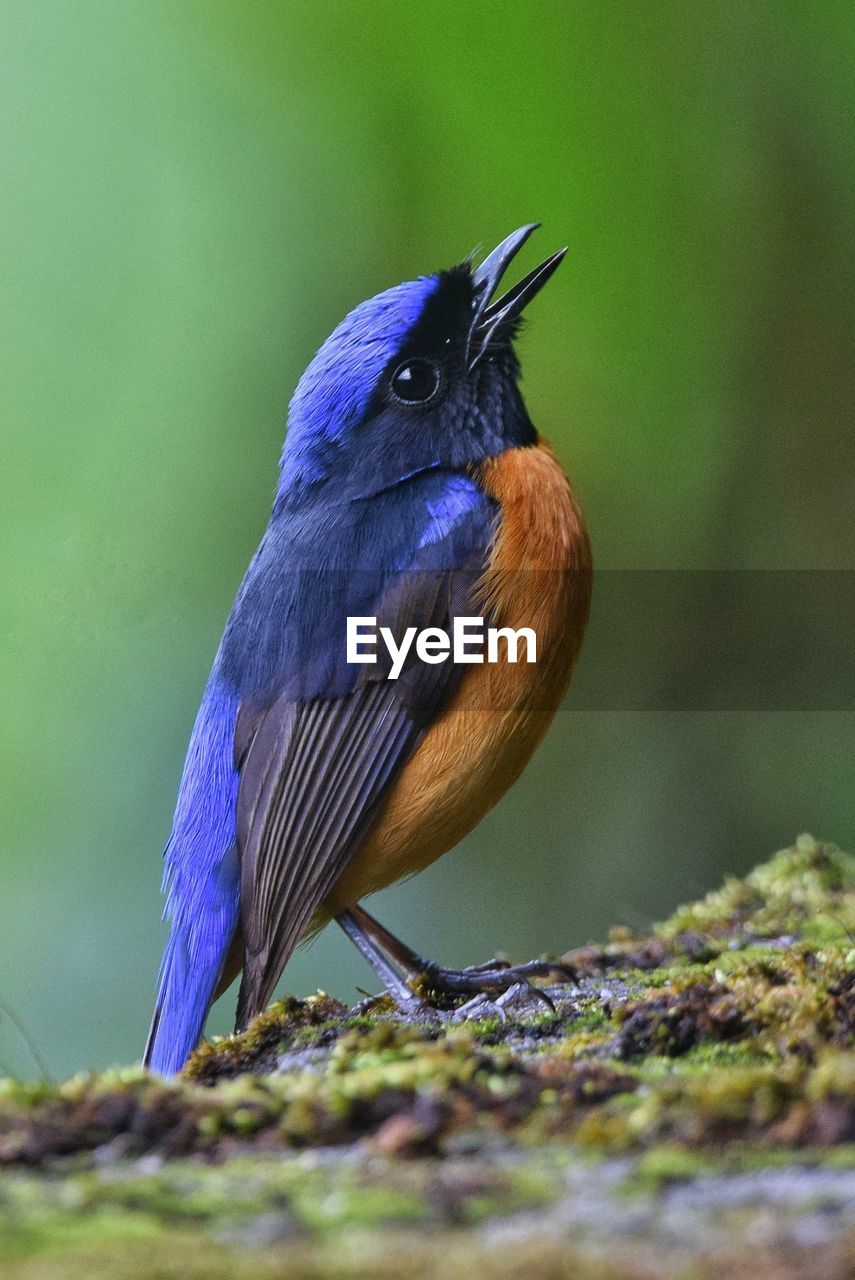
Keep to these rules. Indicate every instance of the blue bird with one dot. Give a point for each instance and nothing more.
(413, 490)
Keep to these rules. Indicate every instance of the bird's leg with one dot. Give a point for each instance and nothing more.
(405, 999)
(493, 978)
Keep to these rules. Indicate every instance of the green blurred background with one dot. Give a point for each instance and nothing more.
(193, 194)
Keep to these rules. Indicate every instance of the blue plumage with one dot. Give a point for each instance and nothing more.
(201, 878)
(377, 512)
(317, 566)
(332, 396)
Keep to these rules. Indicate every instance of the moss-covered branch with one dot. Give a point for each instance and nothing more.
(720, 1045)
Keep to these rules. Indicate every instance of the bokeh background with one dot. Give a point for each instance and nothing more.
(193, 193)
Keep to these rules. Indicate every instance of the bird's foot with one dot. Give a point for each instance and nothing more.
(481, 979)
(494, 986)
(496, 1006)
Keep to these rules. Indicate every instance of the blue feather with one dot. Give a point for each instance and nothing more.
(332, 396)
(315, 568)
(286, 633)
(201, 879)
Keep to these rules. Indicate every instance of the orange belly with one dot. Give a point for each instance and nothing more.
(538, 576)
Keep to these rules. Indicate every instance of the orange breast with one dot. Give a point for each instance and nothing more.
(538, 576)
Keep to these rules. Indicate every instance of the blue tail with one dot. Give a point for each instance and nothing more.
(191, 965)
(203, 881)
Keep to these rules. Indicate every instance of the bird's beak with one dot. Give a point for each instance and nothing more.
(491, 317)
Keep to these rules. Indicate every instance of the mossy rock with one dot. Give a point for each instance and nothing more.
(704, 1074)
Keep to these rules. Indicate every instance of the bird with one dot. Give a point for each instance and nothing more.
(413, 489)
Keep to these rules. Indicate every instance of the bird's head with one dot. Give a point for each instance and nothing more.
(422, 375)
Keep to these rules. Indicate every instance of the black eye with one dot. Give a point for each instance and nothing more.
(415, 381)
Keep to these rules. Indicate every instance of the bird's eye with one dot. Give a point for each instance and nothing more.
(415, 381)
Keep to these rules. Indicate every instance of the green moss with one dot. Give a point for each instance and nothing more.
(765, 1103)
(667, 1163)
(289, 1023)
(723, 1042)
(806, 891)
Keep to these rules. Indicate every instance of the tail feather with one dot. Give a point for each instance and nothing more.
(183, 999)
(203, 883)
(192, 963)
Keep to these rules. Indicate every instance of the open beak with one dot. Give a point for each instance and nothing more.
(491, 317)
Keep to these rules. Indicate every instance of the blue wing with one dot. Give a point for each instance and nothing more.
(294, 747)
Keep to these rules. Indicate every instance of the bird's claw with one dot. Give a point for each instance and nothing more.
(480, 1006)
(416, 1009)
(495, 975)
(493, 987)
(485, 1005)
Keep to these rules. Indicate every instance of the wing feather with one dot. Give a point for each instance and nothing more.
(314, 769)
(323, 776)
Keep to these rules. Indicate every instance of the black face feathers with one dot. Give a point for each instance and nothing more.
(462, 319)
(442, 329)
